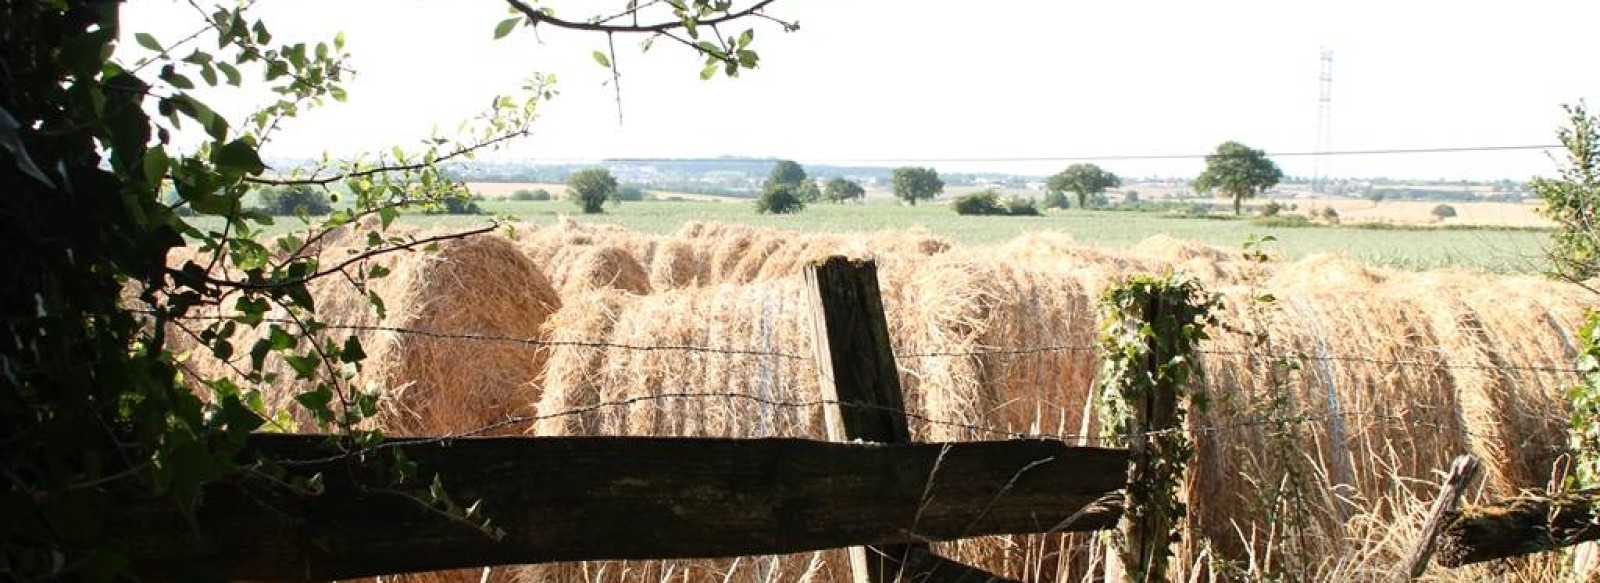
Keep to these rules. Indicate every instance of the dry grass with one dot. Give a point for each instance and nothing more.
(1395, 373)
(433, 382)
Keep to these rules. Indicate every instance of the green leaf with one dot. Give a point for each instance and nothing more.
(230, 72)
(506, 26)
(600, 57)
(208, 74)
(177, 80)
(305, 367)
(709, 71)
(241, 155)
(352, 352)
(147, 41)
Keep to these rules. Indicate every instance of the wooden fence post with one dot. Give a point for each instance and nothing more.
(1147, 534)
(1461, 473)
(857, 375)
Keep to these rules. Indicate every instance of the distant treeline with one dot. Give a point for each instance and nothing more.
(1428, 194)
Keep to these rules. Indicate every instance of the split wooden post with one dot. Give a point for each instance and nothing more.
(1444, 507)
(1147, 533)
(857, 375)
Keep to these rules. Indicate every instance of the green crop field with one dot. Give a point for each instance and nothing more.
(1495, 250)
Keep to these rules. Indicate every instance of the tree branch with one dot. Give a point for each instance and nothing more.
(266, 285)
(536, 16)
(326, 180)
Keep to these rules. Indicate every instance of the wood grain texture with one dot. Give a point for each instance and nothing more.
(596, 498)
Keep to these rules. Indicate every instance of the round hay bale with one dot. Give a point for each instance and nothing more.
(603, 267)
(678, 264)
(457, 345)
(1324, 270)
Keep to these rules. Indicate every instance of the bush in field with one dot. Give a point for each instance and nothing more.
(987, 202)
(1282, 221)
(1271, 209)
(780, 199)
(1017, 206)
(839, 189)
(628, 193)
(535, 194)
(1330, 215)
(983, 202)
(458, 205)
(590, 189)
(294, 200)
(1443, 211)
(1130, 197)
(1056, 199)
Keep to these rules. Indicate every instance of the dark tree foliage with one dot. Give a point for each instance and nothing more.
(1084, 180)
(1239, 171)
(840, 189)
(912, 184)
(294, 200)
(94, 410)
(591, 189)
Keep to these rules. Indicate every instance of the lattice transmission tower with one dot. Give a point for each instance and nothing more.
(1321, 162)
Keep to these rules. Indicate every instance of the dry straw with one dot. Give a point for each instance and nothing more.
(705, 333)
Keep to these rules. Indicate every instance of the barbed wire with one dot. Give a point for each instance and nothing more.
(1283, 422)
(976, 353)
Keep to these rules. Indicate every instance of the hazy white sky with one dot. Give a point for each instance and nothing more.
(938, 79)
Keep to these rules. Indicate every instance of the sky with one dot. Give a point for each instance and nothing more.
(950, 84)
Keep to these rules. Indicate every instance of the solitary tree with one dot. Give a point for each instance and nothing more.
(786, 189)
(787, 172)
(912, 184)
(1239, 171)
(1083, 180)
(840, 189)
(780, 199)
(590, 189)
(1443, 211)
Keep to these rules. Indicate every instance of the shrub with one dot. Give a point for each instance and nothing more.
(1330, 215)
(294, 200)
(1056, 199)
(1271, 209)
(983, 202)
(1443, 211)
(460, 205)
(779, 199)
(1282, 221)
(1021, 207)
(535, 194)
(628, 193)
(1130, 197)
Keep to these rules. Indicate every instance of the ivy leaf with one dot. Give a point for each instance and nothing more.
(147, 41)
(305, 367)
(506, 26)
(352, 350)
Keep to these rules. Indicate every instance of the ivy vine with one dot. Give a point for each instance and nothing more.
(1152, 328)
